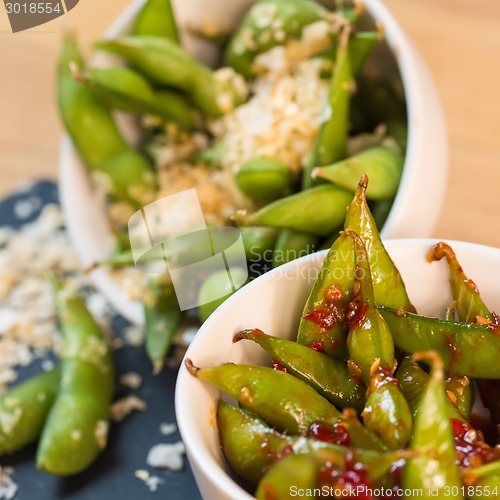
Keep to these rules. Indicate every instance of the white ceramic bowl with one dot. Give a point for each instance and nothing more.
(274, 304)
(420, 194)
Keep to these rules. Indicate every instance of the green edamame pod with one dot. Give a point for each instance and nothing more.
(326, 375)
(162, 318)
(259, 242)
(264, 179)
(125, 89)
(412, 381)
(164, 63)
(269, 23)
(369, 338)
(318, 211)
(466, 349)
(383, 166)
(77, 425)
(285, 402)
(95, 135)
(322, 322)
(24, 409)
(470, 308)
(331, 145)
(483, 481)
(157, 18)
(371, 358)
(293, 471)
(292, 245)
(388, 285)
(360, 48)
(244, 435)
(467, 302)
(218, 285)
(433, 469)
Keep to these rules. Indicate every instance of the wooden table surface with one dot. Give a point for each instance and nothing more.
(459, 39)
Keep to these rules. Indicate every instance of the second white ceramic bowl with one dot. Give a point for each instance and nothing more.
(418, 202)
(274, 303)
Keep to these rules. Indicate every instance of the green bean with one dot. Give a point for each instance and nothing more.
(162, 318)
(332, 139)
(127, 90)
(164, 63)
(157, 18)
(433, 469)
(293, 244)
(264, 179)
(24, 409)
(269, 23)
(466, 349)
(388, 285)
(326, 375)
(383, 166)
(77, 425)
(220, 285)
(318, 211)
(96, 137)
(322, 324)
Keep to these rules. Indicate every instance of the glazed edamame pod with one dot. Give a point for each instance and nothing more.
(466, 349)
(383, 166)
(267, 24)
(331, 144)
(264, 179)
(322, 323)
(157, 18)
(459, 392)
(162, 318)
(369, 339)
(470, 308)
(244, 436)
(467, 302)
(318, 211)
(388, 285)
(218, 285)
(164, 63)
(294, 471)
(433, 469)
(412, 381)
(285, 402)
(326, 375)
(77, 425)
(95, 135)
(291, 245)
(371, 359)
(124, 89)
(24, 409)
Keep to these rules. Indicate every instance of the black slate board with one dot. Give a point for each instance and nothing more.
(112, 475)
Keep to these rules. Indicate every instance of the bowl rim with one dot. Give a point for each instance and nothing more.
(410, 67)
(199, 454)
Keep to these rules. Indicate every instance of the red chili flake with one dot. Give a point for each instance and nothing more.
(322, 318)
(334, 434)
(287, 450)
(317, 346)
(348, 479)
(470, 447)
(356, 313)
(459, 269)
(278, 367)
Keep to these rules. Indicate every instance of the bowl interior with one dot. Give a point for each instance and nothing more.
(86, 215)
(274, 304)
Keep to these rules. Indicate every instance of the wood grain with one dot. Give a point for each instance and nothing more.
(459, 39)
